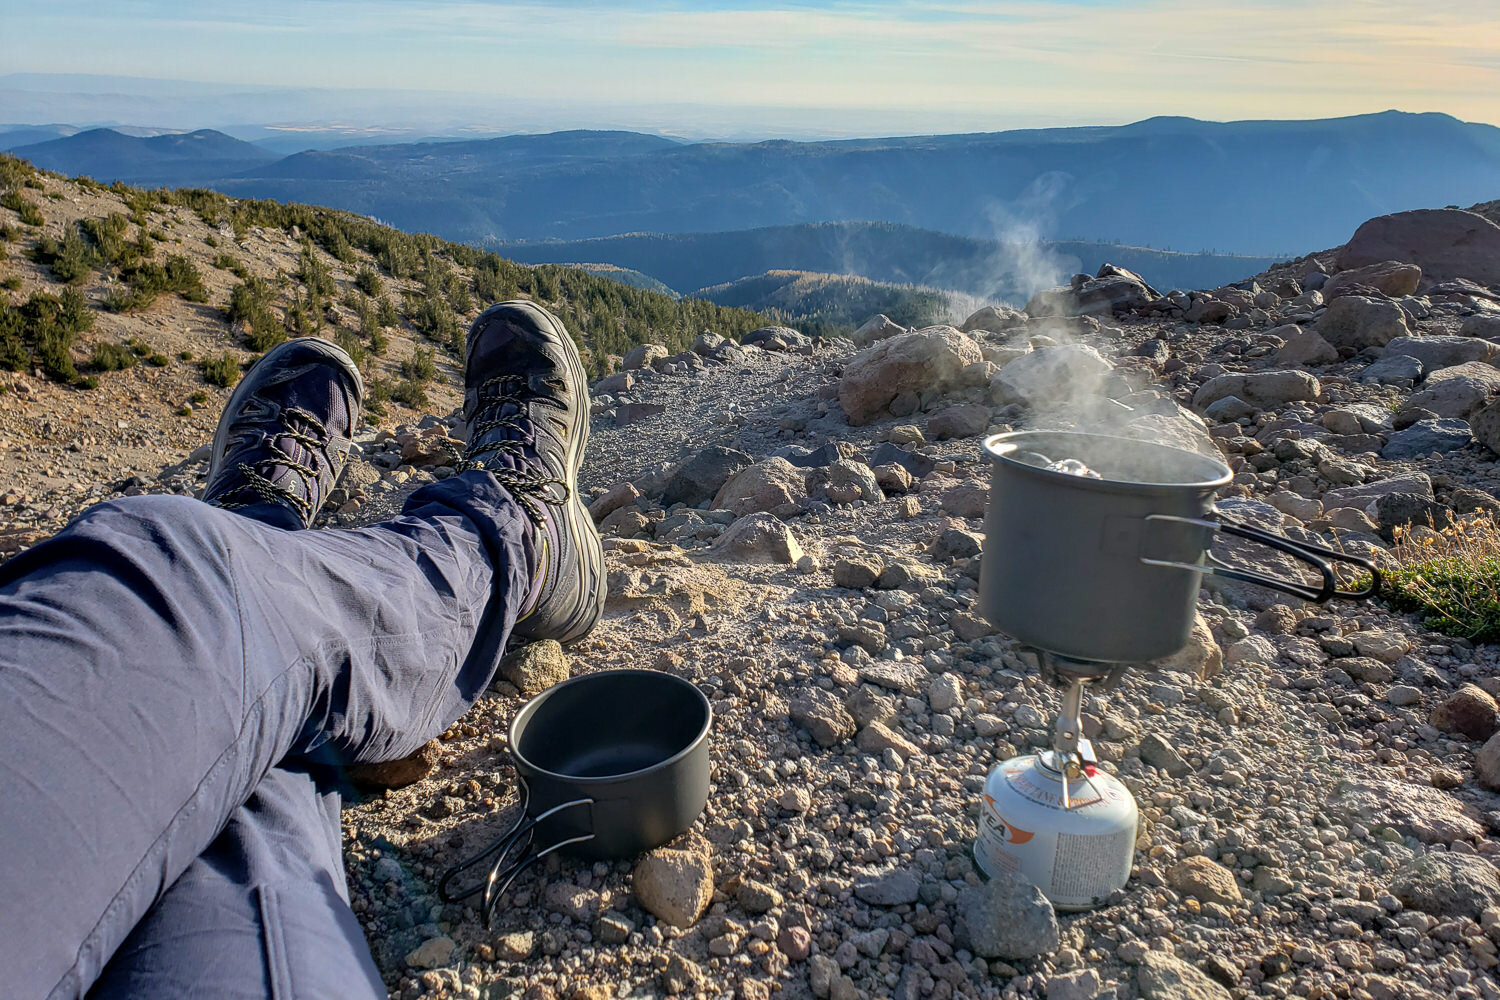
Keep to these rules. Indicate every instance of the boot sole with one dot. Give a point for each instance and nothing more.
(576, 519)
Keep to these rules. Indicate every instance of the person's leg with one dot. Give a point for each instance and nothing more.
(159, 656)
(263, 914)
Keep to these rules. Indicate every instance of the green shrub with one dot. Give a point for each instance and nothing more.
(409, 392)
(158, 360)
(88, 382)
(112, 358)
(184, 355)
(70, 261)
(108, 237)
(27, 210)
(420, 367)
(314, 274)
(184, 410)
(367, 281)
(14, 172)
(41, 331)
(385, 313)
(349, 341)
(1451, 578)
(250, 303)
(11, 283)
(146, 281)
(198, 398)
(227, 262)
(221, 370)
(211, 241)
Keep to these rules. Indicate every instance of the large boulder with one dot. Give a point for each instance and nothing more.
(758, 538)
(643, 356)
(1442, 352)
(1389, 277)
(1358, 321)
(1444, 242)
(1481, 326)
(928, 359)
(1051, 375)
(767, 485)
(1304, 347)
(701, 476)
(1457, 391)
(1485, 425)
(1266, 390)
(994, 319)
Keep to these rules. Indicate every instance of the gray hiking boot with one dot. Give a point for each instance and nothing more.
(526, 404)
(285, 433)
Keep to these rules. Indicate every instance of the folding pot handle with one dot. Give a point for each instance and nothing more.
(518, 837)
(1318, 556)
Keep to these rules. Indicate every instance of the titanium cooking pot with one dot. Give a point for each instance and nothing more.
(1108, 569)
(609, 765)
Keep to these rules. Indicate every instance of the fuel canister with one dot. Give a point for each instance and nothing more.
(1074, 838)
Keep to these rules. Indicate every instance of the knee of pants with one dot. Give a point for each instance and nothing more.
(260, 914)
(286, 941)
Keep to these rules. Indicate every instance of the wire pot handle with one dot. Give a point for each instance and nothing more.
(1318, 556)
(503, 871)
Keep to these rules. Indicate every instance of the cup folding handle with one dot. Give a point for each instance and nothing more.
(1318, 556)
(516, 841)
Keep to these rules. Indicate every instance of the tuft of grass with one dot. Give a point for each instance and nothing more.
(158, 360)
(26, 209)
(40, 333)
(184, 355)
(145, 281)
(1450, 577)
(12, 283)
(184, 410)
(349, 341)
(222, 370)
(250, 303)
(198, 398)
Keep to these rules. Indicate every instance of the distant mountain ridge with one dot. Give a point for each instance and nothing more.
(883, 252)
(1260, 187)
(184, 158)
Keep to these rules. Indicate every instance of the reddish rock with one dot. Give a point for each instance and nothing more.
(1468, 712)
(396, 773)
(1444, 242)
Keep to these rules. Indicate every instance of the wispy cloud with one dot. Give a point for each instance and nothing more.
(1104, 60)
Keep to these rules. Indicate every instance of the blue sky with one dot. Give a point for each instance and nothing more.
(853, 67)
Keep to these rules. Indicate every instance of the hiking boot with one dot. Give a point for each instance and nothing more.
(285, 433)
(526, 405)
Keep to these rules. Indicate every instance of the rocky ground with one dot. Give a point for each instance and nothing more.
(796, 528)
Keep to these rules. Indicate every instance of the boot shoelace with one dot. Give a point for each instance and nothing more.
(527, 487)
(268, 492)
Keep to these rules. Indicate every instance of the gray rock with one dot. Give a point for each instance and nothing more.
(878, 327)
(1457, 391)
(1430, 815)
(1081, 985)
(1485, 424)
(1487, 764)
(1442, 352)
(1358, 321)
(902, 676)
(955, 543)
(961, 420)
(772, 484)
(642, 356)
(432, 953)
(1446, 884)
(1398, 370)
(1399, 510)
(1266, 390)
(1007, 918)
(1361, 497)
(926, 360)
(1159, 753)
(1228, 408)
(758, 537)
(1051, 376)
(630, 413)
(849, 481)
(1481, 326)
(701, 476)
(1304, 347)
(896, 887)
(994, 319)
(1165, 977)
(917, 464)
